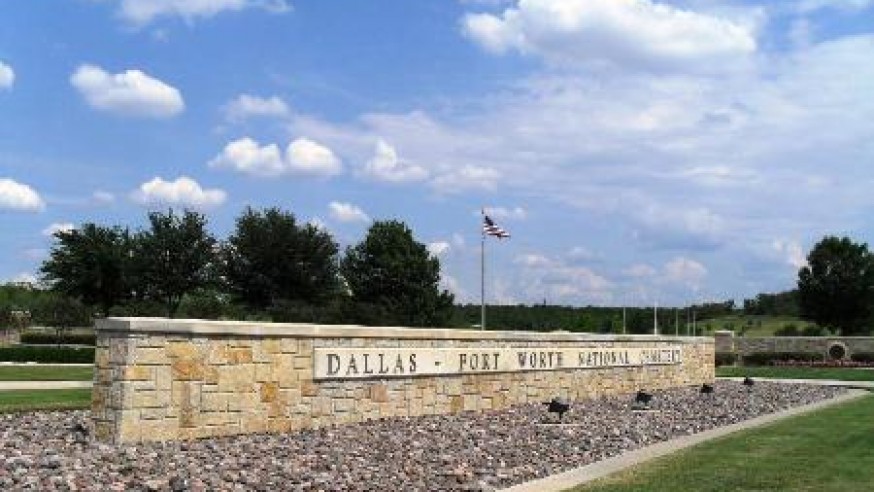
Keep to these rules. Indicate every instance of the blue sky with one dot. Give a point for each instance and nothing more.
(638, 151)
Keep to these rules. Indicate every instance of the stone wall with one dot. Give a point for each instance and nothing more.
(158, 379)
(726, 342)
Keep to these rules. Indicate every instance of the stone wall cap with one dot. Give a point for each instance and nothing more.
(307, 330)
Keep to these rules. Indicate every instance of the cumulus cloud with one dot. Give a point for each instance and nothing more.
(625, 32)
(386, 166)
(640, 270)
(248, 156)
(308, 157)
(346, 212)
(246, 106)
(438, 248)
(129, 93)
(467, 178)
(302, 156)
(141, 12)
(685, 271)
(19, 196)
(184, 191)
(102, 197)
(791, 252)
(533, 261)
(56, 227)
(517, 213)
(7, 76)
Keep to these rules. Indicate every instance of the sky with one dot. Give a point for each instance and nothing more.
(639, 152)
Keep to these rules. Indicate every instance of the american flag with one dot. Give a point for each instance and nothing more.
(491, 229)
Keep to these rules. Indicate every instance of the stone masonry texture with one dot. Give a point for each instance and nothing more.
(726, 342)
(158, 379)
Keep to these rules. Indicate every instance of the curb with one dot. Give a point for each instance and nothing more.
(579, 476)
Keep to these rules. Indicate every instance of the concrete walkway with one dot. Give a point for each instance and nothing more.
(42, 385)
(583, 474)
(867, 385)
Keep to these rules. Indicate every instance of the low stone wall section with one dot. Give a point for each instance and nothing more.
(726, 342)
(158, 379)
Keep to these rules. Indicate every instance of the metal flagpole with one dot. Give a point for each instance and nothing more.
(482, 262)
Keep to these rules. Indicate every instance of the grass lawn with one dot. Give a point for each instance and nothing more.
(840, 373)
(829, 450)
(25, 400)
(45, 373)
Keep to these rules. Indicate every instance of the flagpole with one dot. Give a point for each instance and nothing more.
(482, 263)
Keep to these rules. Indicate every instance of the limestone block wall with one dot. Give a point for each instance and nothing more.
(159, 379)
(726, 342)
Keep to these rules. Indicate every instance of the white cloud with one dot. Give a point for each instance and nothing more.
(685, 271)
(55, 227)
(640, 270)
(308, 157)
(467, 178)
(102, 197)
(303, 156)
(346, 212)
(809, 6)
(184, 191)
(141, 12)
(129, 93)
(247, 156)
(438, 248)
(792, 253)
(533, 261)
(246, 106)
(639, 33)
(19, 196)
(7, 76)
(386, 166)
(517, 213)
(580, 253)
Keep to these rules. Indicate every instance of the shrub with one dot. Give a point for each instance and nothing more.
(36, 353)
(46, 338)
(725, 359)
(863, 357)
(773, 358)
(788, 330)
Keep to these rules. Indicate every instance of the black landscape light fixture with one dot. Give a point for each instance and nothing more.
(642, 399)
(748, 381)
(559, 406)
(706, 389)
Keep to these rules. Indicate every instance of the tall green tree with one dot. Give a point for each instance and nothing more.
(174, 257)
(271, 258)
(91, 264)
(836, 288)
(393, 275)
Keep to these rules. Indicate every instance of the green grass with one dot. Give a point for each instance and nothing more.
(839, 373)
(28, 400)
(45, 373)
(751, 325)
(829, 450)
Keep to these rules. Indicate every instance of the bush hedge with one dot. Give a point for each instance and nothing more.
(773, 358)
(47, 338)
(36, 353)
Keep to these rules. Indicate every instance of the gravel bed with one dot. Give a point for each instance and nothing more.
(469, 451)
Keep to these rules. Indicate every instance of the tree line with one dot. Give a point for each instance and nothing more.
(271, 267)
